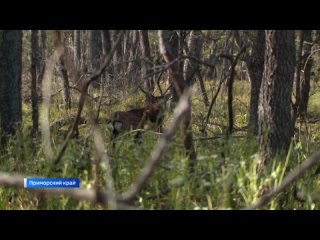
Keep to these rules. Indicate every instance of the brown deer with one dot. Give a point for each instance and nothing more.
(152, 114)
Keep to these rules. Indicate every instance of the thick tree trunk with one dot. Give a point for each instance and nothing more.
(275, 120)
(255, 68)
(10, 81)
(167, 49)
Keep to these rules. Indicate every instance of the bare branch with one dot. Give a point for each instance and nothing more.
(85, 87)
(101, 158)
(179, 112)
(212, 103)
(76, 194)
(230, 88)
(211, 64)
(294, 175)
(216, 137)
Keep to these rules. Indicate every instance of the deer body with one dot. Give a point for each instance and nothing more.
(139, 118)
(134, 119)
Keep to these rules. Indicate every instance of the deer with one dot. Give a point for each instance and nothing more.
(152, 114)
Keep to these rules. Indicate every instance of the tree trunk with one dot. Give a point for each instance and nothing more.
(42, 61)
(191, 68)
(275, 120)
(298, 76)
(146, 63)
(95, 52)
(66, 87)
(194, 49)
(173, 42)
(106, 42)
(77, 48)
(117, 57)
(106, 46)
(95, 48)
(133, 53)
(203, 89)
(305, 74)
(255, 68)
(167, 49)
(230, 89)
(35, 64)
(10, 81)
(182, 35)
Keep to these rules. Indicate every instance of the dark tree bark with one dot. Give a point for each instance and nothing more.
(95, 48)
(106, 46)
(35, 64)
(203, 89)
(66, 86)
(255, 64)
(41, 60)
(133, 50)
(38, 39)
(182, 36)
(305, 73)
(10, 81)
(146, 63)
(275, 120)
(117, 57)
(106, 42)
(95, 52)
(77, 48)
(169, 54)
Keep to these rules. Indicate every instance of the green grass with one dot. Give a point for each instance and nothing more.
(225, 176)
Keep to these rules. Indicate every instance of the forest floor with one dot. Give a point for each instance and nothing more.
(225, 176)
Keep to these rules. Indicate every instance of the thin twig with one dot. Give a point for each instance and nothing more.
(294, 175)
(212, 103)
(213, 61)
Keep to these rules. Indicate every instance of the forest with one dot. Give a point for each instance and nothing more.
(160, 119)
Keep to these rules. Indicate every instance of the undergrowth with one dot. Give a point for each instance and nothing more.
(225, 176)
